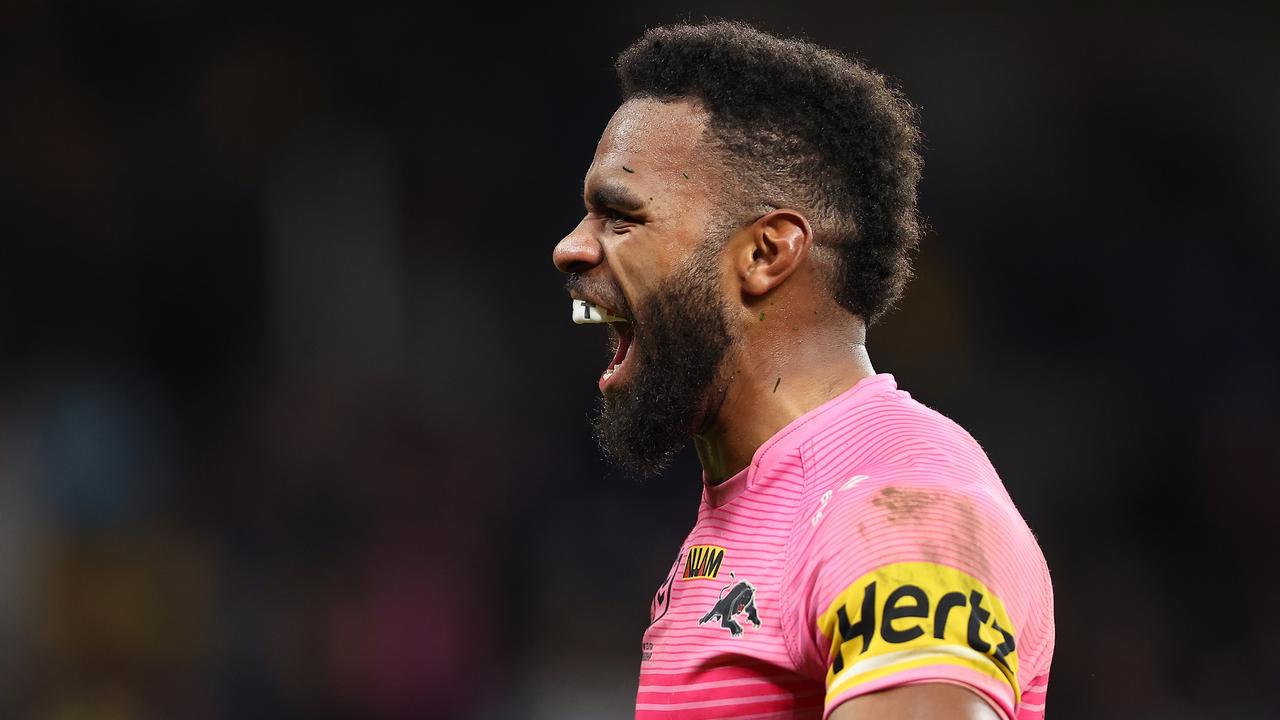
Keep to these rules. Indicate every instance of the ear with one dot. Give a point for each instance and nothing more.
(772, 248)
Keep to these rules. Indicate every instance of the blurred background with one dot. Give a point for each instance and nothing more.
(293, 422)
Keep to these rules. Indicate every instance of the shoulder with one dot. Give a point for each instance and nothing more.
(922, 572)
(890, 469)
(890, 429)
(911, 563)
(952, 515)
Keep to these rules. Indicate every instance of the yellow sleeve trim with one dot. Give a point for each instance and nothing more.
(860, 673)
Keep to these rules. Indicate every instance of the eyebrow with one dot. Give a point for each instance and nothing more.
(615, 196)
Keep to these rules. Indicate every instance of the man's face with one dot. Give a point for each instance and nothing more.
(648, 250)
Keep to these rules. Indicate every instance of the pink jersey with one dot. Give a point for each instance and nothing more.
(870, 544)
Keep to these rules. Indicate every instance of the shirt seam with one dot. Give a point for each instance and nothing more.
(789, 564)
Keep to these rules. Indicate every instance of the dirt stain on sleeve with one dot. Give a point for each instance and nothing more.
(953, 516)
(967, 535)
(902, 504)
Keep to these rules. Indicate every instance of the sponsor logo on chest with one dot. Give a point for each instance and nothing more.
(703, 561)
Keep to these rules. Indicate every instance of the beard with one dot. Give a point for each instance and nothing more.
(681, 337)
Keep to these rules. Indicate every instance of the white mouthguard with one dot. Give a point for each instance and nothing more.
(585, 312)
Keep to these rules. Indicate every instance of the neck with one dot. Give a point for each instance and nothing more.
(775, 379)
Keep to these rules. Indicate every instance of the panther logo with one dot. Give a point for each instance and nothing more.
(741, 598)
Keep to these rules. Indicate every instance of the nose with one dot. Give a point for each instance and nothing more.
(578, 252)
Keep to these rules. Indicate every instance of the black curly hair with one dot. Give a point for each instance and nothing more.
(800, 126)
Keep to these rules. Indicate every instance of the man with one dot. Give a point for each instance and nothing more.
(751, 208)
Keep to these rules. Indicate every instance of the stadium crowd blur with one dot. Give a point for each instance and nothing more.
(293, 421)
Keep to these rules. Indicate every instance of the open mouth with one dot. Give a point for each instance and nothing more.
(585, 312)
(622, 338)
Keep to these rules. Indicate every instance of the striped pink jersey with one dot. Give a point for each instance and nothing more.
(870, 544)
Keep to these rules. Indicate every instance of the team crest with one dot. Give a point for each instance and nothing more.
(741, 598)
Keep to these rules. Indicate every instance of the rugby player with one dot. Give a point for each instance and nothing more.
(750, 211)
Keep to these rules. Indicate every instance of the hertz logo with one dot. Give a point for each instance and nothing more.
(909, 615)
(703, 562)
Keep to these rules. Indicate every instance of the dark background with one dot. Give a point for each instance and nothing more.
(293, 421)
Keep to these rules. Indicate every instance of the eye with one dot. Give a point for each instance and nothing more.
(618, 219)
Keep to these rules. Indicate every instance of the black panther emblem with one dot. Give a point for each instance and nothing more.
(740, 598)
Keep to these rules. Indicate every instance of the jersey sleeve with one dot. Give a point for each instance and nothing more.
(911, 576)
